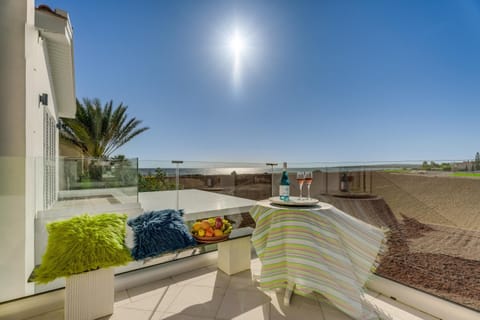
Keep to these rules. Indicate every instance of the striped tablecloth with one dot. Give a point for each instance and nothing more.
(319, 249)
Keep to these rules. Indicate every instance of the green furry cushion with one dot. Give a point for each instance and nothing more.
(83, 243)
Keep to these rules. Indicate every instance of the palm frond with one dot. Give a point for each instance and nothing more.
(98, 131)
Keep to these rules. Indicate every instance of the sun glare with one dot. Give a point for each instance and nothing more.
(237, 44)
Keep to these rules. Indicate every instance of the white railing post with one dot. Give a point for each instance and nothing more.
(177, 181)
(272, 164)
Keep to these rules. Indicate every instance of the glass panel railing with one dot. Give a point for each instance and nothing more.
(236, 179)
(75, 186)
(408, 207)
(17, 212)
(435, 243)
(223, 189)
(114, 180)
(202, 188)
(430, 207)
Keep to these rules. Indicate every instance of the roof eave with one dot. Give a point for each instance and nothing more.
(56, 29)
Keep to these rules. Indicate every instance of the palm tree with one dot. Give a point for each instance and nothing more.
(98, 131)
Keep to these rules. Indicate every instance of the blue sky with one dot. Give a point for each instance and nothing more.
(320, 81)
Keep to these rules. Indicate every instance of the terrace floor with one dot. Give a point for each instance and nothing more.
(207, 293)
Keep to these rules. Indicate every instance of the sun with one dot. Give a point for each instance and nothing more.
(237, 44)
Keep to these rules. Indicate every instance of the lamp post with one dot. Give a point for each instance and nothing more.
(272, 164)
(177, 181)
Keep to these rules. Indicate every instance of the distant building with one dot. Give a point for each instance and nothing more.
(37, 87)
(463, 166)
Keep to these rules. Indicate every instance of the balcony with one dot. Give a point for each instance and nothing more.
(432, 264)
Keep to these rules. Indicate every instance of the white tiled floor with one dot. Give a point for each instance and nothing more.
(210, 294)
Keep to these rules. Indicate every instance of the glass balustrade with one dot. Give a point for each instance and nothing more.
(431, 209)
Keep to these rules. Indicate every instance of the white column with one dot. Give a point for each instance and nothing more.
(13, 234)
(234, 255)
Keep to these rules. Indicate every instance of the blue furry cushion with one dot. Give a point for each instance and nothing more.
(157, 232)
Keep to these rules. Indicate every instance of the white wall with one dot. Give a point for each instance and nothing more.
(13, 15)
(38, 82)
(24, 76)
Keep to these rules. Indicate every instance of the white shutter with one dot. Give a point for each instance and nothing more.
(49, 160)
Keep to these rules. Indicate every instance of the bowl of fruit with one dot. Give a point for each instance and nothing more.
(211, 230)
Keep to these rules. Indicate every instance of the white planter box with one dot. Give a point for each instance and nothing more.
(89, 295)
(234, 255)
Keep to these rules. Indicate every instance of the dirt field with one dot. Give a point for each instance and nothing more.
(434, 243)
(431, 199)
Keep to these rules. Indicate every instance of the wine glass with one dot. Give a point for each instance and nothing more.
(308, 176)
(300, 180)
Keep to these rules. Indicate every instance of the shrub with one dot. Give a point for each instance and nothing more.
(156, 182)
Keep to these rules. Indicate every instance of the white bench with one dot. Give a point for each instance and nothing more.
(90, 295)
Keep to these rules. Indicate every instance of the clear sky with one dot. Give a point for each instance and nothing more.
(317, 80)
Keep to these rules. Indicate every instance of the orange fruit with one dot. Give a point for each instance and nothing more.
(205, 225)
(209, 233)
(197, 226)
(218, 233)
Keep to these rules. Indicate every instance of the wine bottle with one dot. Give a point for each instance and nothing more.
(284, 184)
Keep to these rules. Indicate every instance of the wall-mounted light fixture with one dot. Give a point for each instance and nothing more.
(59, 124)
(44, 99)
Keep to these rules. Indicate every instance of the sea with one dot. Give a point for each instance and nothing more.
(171, 172)
(147, 167)
(223, 170)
